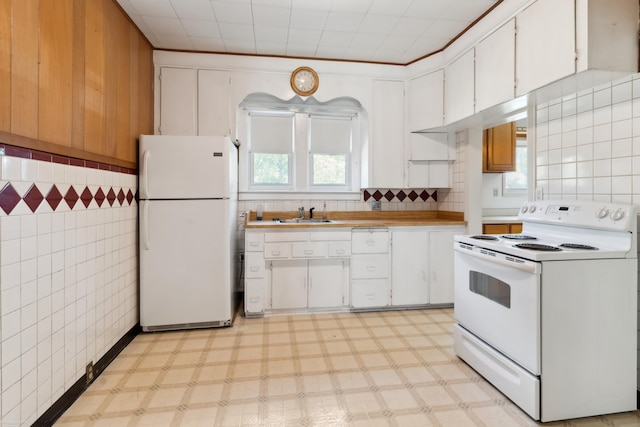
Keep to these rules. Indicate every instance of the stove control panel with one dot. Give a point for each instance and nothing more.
(580, 213)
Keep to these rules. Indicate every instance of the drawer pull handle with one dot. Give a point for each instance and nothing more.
(254, 244)
(308, 251)
(371, 242)
(254, 268)
(275, 253)
(254, 300)
(371, 268)
(340, 251)
(371, 297)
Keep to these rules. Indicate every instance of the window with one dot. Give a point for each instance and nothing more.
(516, 182)
(300, 148)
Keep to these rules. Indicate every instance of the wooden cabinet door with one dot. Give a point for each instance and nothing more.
(499, 148)
(409, 267)
(288, 284)
(326, 282)
(495, 228)
(178, 105)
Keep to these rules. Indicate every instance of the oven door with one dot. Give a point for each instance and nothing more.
(497, 298)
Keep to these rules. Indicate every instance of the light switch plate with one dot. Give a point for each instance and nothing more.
(539, 193)
(376, 205)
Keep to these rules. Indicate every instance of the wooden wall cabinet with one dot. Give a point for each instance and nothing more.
(506, 228)
(499, 148)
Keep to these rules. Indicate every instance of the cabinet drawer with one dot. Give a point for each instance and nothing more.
(369, 267)
(254, 242)
(308, 250)
(370, 293)
(287, 236)
(370, 242)
(254, 265)
(339, 249)
(330, 235)
(254, 296)
(277, 250)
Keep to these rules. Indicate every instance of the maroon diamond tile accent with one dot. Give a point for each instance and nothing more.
(401, 196)
(99, 196)
(121, 196)
(367, 195)
(33, 198)
(413, 196)
(424, 195)
(434, 196)
(389, 195)
(54, 197)
(377, 195)
(129, 197)
(111, 196)
(71, 197)
(9, 198)
(86, 197)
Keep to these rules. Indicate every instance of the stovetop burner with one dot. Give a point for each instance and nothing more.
(518, 237)
(484, 237)
(537, 247)
(578, 246)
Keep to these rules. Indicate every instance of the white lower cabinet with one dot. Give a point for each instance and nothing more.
(370, 284)
(410, 266)
(288, 284)
(441, 265)
(328, 280)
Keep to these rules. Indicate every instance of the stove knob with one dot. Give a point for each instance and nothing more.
(532, 209)
(602, 213)
(524, 209)
(617, 215)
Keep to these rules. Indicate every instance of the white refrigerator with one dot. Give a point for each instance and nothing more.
(187, 187)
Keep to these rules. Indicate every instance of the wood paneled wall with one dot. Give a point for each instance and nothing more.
(76, 78)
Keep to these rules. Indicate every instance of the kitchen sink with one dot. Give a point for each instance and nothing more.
(302, 221)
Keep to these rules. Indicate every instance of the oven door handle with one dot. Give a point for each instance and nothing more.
(524, 266)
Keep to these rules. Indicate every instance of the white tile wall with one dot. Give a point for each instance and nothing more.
(68, 284)
(603, 125)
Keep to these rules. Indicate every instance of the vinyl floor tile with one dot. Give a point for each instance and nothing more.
(390, 368)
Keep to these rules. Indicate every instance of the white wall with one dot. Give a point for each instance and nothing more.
(68, 283)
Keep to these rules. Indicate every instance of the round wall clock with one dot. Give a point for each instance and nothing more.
(304, 81)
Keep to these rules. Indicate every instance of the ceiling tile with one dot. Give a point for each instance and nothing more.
(155, 8)
(426, 9)
(193, 9)
(175, 42)
(300, 51)
(235, 13)
(271, 16)
(396, 43)
(412, 26)
(312, 4)
(440, 25)
(304, 37)
(309, 19)
(273, 3)
(207, 29)
(367, 41)
(391, 8)
(236, 32)
(339, 21)
(359, 54)
(239, 46)
(378, 24)
(165, 26)
(331, 52)
(271, 35)
(335, 39)
(271, 48)
(208, 44)
(358, 6)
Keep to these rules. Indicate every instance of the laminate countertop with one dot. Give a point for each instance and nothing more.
(353, 219)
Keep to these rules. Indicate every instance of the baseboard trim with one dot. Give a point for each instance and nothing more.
(73, 393)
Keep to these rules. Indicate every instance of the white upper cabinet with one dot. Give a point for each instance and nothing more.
(213, 103)
(178, 94)
(495, 71)
(545, 44)
(459, 94)
(387, 156)
(429, 174)
(426, 96)
(431, 146)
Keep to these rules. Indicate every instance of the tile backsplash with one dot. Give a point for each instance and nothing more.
(68, 282)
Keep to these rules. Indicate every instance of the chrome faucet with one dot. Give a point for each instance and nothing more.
(301, 211)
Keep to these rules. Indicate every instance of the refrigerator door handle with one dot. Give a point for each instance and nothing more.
(145, 225)
(144, 179)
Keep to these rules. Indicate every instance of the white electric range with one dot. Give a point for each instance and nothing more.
(549, 316)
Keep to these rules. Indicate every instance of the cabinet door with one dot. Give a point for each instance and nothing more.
(367, 293)
(459, 93)
(326, 282)
(441, 266)
(288, 284)
(432, 146)
(387, 151)
(495, 228)
(213, 103)
(178, 101)
(409, 267)
(545, 44)
(426, 101)
(429, 175)
(495, 73)
(499, 148)
(254, 296)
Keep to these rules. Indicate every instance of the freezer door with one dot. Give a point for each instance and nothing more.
(185, 263)
(187, 167)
